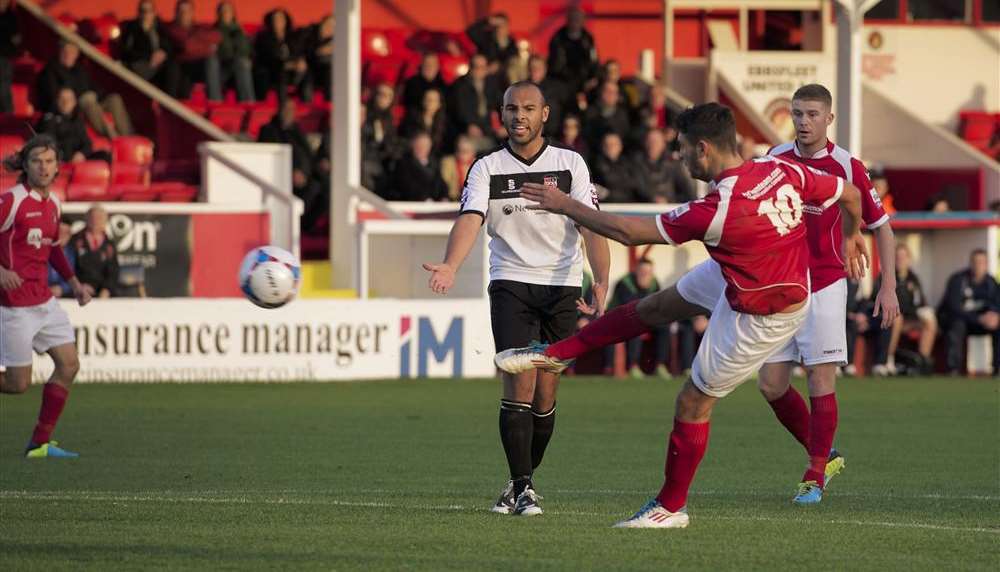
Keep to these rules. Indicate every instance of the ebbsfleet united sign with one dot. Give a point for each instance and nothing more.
(192, 340)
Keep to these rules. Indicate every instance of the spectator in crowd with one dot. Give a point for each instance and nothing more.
(480, 140)
(613, 172)
(58, 285)
(938, 204)
(233, 52)
(68, 71)
(475, 97)
(194, 49)
(859, 322)
(572, 137)
(492, 39)
(96, 256)
(881, 184)
(656, 107)
(555, 91)
(417, 176)
(634, 286)
(689, 334)
(283, 129)
(10, 44)
(146, 49)
(454, 168)
(606, 115)
(971, 306)
(278, 59)
(611, 72)
(427, 77)
(378, 131)
(658, 178)
(319, 54)
(66, 126)
(429, 117)
(373, 172)
(915, 314)
(573, 54)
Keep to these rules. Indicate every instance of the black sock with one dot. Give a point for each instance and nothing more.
(545, 424)
(516, 423)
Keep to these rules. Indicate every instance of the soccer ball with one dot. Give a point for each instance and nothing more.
(269, 276)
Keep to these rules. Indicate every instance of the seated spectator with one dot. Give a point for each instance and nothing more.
(613, 172)
(475, 97)
(378, 131)
(609, 72)
(634, 286)
(480, 141)
(607, 115)
(146, 49)
(233, 52)
(373, 170)
(573, 54)
(971, 307)
(656, 107)
(859, 322)
(556, 94)
(881, 184)
(428, 77)
(319, 55)
(454, 168)
(430, 117)
(68, 71)
(417, 176)
(58, 285)
(278, 59)
(915, 314)
(10, 44)
(96, 256)
(571, 136)
(492, 39)
(194, 49)
(283, 129)
(658, 178)
(66, 126)
(689, 334)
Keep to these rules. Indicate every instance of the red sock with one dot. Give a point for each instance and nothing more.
(53, 399)
(791, 411)
(618, 325)
(822, 427)
(688, 442)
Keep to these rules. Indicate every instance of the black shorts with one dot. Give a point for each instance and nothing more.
(522, 313)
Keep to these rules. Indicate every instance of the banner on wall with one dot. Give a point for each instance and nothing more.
(159, 243)
(767, 80)
(192, 340)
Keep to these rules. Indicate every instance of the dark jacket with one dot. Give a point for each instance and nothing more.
(627, 290)
(616, 176)
(414, 122)
(271, 54)
(56, 76)
(98, 267)
(413, 181)
(414, 88)
(481, 34)
(69, 132)
(965, 300)
(233, 42)
(596, 124)
(137, 46)
(302, 157)
(10, 38)
(463, 104)
(573, 61)
(661, 178)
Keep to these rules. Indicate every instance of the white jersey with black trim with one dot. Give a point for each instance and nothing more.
(535, 247)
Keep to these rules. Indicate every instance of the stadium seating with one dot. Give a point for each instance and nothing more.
(227, 117)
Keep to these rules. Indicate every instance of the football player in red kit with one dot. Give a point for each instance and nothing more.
(30, 318)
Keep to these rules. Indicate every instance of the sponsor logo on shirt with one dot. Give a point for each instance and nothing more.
(33, 215)
(875, 199)
(511, 185)
(678, 212)
(35, 237)
(769, 182)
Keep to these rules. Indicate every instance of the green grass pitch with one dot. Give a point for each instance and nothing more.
(400, 474)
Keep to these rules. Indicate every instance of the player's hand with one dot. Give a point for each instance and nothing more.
(887, 304)
(442, 277)
(600, 292)
(80, 291)
(856, 256)
(9, 280)
(547, 198)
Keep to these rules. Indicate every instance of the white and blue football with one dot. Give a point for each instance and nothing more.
(269, 276)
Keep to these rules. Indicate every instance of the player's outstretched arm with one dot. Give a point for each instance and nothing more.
(886, 302)
(599, 256)
(855, 249)
(627, 230)
(460, 241)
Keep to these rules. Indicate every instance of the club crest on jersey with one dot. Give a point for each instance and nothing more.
(511, 185)
(550, 181)
(35, 237)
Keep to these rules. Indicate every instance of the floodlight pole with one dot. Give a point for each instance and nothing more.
(345, 147)
(850, 19)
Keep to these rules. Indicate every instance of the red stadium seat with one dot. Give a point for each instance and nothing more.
(61, 183)
(89, 192)
(129, 174)
(257, 117)
(96, 173)
(172, 192)
(133, 149)
(21, 93)
(140, 193)
(10, 144)
(229, 118)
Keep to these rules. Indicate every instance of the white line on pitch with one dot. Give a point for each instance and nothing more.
(118, 498)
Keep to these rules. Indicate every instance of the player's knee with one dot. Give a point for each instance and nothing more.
(68, 368)
(770, 388)
(822, 379)
(14, 384)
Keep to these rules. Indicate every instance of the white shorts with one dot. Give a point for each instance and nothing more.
(40, 327)
(823, 336)
(736, 345)
(703, 285)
